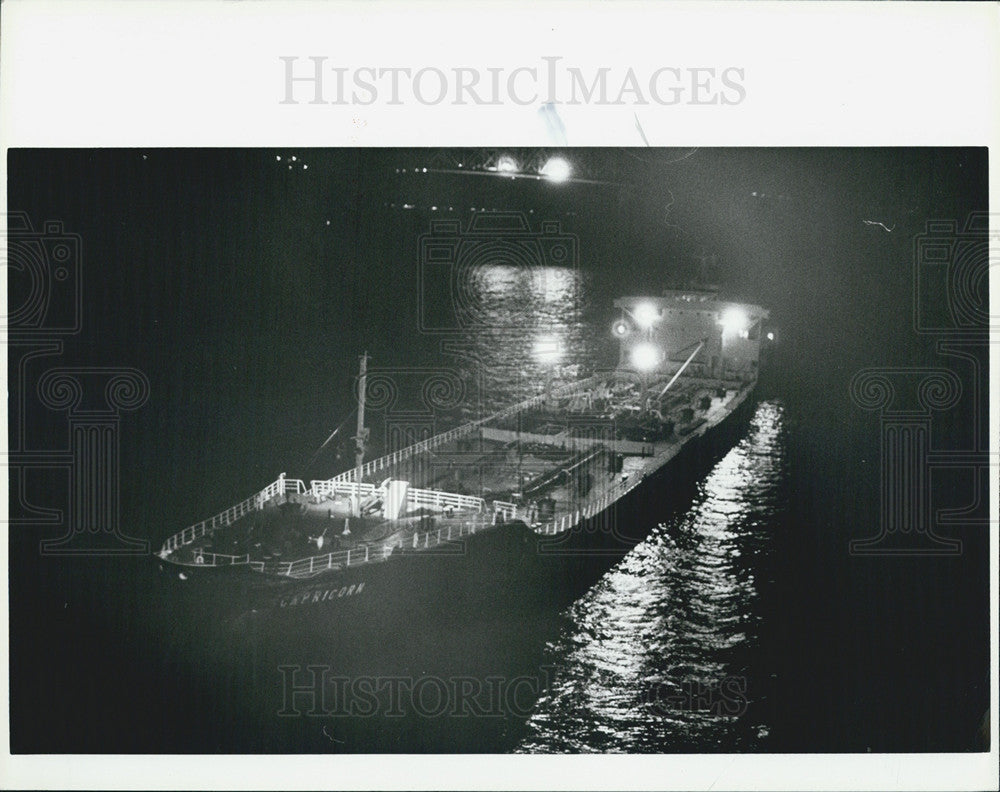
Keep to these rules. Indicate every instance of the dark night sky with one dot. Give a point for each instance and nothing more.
(171, 233)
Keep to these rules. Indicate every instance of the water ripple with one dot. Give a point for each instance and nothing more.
(649, 659)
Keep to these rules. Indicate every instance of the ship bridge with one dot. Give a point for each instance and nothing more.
(713, 338)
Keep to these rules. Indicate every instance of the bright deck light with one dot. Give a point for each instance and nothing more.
(734, 321)
(646, 315)
(620, 328)
(556, 169)
(645, 357)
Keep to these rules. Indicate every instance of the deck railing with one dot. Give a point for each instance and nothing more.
(255, 502)
(374, 553)
(445, 500)
(205, 558)
(414, 497)
(331, 487)
(449, 531)
(506, 510)
(569, 520)
(375, 465)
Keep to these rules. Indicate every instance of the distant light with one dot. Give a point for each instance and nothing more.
(434, 208)
(278, 158)
(294, 158)
(620, 328)
(548, 349)
(407, 206)
(507, 164)
(646, 314)
(645, 357)
(425, 170)
(304, 166)
(770, 336)
(734, 321)
(556, 169)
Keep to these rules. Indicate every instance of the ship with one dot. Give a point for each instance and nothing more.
(512, 504)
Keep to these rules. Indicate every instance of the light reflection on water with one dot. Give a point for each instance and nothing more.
(650, 657)
(525, 327)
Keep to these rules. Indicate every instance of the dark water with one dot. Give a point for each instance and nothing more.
(740, 623)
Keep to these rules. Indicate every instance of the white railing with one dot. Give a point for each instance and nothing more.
(423, 446)
(340, 485)
(254, 503)
(414, 496)
(374, 553)
(506, 510)
(450, 531)
(444, 500)
(203, 558)
(569, 520)
(332, 487)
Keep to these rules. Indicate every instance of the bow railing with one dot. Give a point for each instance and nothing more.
(254, 503)
(414, 498)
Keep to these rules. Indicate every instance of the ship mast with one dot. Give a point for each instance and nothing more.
(362, 434)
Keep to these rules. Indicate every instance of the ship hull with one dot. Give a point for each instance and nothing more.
(509, 565)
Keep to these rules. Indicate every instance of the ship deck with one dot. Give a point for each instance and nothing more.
(557, 458)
